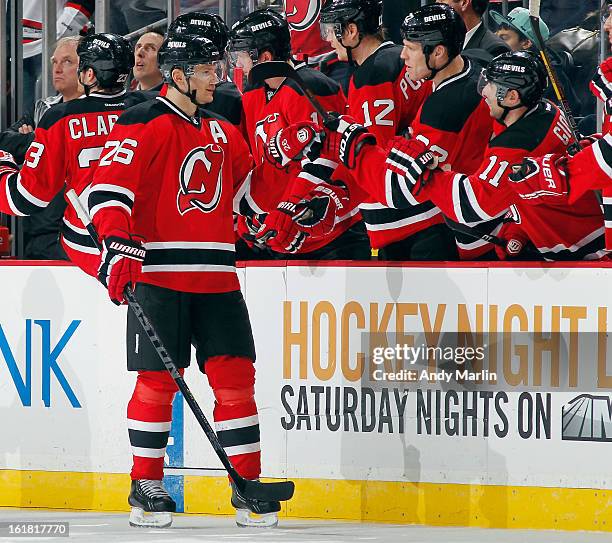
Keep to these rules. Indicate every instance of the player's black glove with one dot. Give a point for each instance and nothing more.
(345, 138)
(121, 264)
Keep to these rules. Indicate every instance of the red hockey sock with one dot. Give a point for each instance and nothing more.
(237, 423)
(149, 415)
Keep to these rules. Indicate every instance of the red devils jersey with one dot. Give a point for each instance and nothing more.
(68, 141)
(175, 180)
(455, 122)
(382, 97)
(303, 17)
(591, 169)
(559, 232)
(267, 111)
(601, 86)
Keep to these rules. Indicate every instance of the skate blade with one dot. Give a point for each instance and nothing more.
(143, 519)
(248, 519)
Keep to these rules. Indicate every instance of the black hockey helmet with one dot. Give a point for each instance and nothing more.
(261, 30)
(435, 24)
(185, 52)
(207, 25)
(522, 71)
(366, 14)
(110, 56)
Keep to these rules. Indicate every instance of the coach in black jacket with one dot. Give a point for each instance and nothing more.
(478, 35)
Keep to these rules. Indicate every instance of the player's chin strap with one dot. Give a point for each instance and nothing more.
(349, 49)
(86, 88)
(427, 51)
(506, 109)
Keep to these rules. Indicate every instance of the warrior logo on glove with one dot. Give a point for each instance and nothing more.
(200, 180)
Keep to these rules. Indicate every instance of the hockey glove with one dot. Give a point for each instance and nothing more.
(7, 162)
(121, 264)
(601, 85)
(541, 180)
(345, 138)
(248, 227)
(515, 240)
(279, 232)
(413, 160)
(293, 143)
(316, 213)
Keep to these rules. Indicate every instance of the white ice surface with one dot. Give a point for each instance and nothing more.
(111, 527)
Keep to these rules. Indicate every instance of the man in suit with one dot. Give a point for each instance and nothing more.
(478, 35)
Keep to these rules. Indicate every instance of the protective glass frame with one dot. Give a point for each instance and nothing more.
(329, 29)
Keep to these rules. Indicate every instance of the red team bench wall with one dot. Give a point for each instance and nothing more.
(444, 394)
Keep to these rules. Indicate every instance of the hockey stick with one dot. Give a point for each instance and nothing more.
(280, 491)
(534, 16)
(277, 68)
(477, 233)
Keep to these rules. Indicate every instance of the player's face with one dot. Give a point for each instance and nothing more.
(328, 33)
(608, 22)
(414, 59)
(511, 38)
(65, 63)
(145, 56)
(489, 93)
(242, 59)
(204, 81)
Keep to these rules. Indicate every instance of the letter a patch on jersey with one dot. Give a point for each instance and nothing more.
(200, 179)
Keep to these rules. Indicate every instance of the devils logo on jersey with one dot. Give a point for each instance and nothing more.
(266, 128)
(302, 14)
(200, 179)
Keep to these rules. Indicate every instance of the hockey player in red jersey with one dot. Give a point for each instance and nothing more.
(269, 108)
(454, 121)
(68, 143)
(549, 178)
(171, 178)
(383, 97)
(513, 85)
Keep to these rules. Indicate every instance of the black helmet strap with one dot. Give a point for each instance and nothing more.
(427, 51)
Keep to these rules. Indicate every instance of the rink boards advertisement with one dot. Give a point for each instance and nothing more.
(390, 383)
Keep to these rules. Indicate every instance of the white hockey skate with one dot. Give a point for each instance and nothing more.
(252, 513)
(152, 506)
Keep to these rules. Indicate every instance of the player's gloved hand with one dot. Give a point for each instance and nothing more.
(7, 163)
(121, 265)
(515, 240)
(541, 180)
(412, 159)
(345, 137)
(6, 159)
(586, 141)
(316, 213)
(294, 142)
(279, 232)
(248, 226)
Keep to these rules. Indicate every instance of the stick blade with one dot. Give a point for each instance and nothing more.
(267, 70)
(280, 492)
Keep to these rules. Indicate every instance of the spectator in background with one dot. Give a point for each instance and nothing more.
(146, 69)
(562, 14)
(72, 16)
(41, 232)
(516, 31)
(478, 35)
